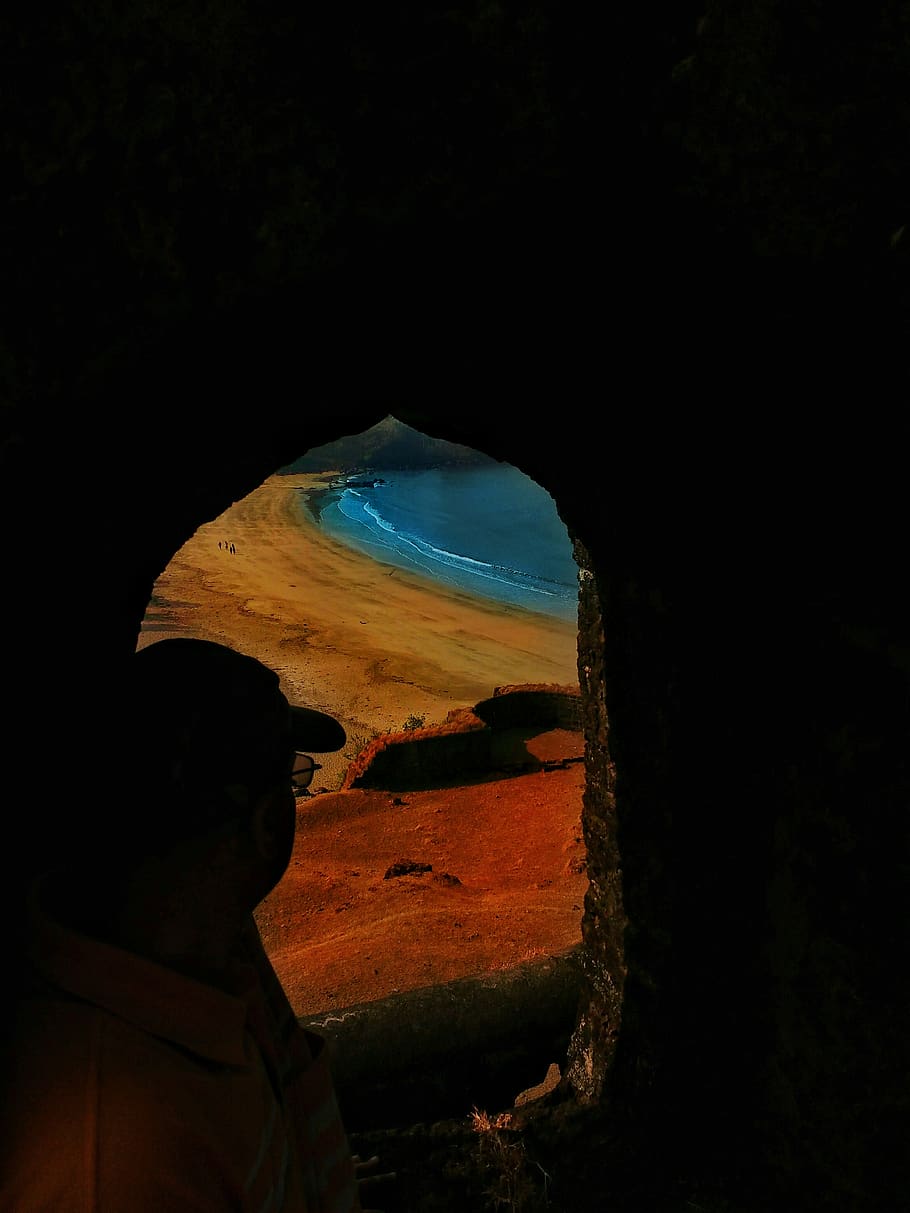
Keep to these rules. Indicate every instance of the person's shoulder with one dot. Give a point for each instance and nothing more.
(78, 1080)
(46, 1072)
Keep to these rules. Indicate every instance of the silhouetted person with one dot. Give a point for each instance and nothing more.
(155, 1064)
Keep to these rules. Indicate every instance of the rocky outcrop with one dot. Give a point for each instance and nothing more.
(471, 740)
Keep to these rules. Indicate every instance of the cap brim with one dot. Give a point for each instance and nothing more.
(312, 730)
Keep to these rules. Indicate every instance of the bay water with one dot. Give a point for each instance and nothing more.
(487, 530)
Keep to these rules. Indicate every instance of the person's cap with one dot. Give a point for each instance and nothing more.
(312, 730)
(203, 712)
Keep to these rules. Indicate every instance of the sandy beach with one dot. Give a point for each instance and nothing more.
(365, 641)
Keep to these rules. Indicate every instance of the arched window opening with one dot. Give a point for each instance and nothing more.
(400, 582)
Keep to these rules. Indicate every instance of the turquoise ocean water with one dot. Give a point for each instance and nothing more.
(488, 530)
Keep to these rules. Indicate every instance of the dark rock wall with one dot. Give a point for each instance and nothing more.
(431, 1053)
(662, 272)
(604, 924)
(741, 716)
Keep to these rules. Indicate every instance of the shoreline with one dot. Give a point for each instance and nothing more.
(365, 641)
(444, 570)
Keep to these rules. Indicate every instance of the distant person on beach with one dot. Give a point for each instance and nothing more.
(154, 1062)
